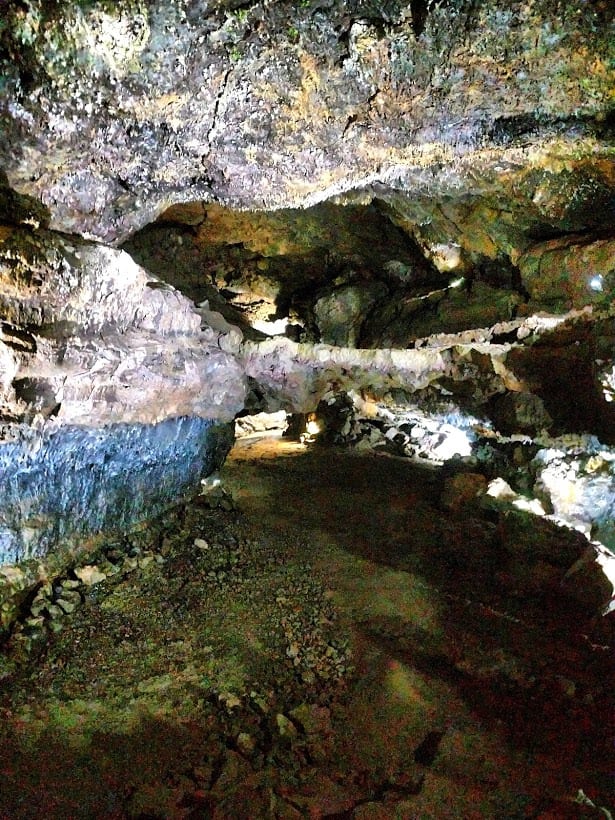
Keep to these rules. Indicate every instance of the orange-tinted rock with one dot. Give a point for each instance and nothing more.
(570, 273)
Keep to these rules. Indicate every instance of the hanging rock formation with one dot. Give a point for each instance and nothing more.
(112, 112)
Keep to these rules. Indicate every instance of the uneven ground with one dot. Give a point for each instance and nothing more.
(337, 645)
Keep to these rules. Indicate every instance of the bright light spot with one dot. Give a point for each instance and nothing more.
(312, 429)
(456, 283)
(445, 257)
(276, 328)
(500, 489)
(596, 283)
(530, 505)
(456, 443)
(606, 561)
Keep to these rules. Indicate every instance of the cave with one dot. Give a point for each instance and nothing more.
(307, 409)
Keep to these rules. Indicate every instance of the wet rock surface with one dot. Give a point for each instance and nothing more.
(348, 652)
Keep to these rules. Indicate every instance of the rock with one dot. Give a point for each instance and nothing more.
(520, 413)
(462, 491)
(246, 743)
(89, 575)
(260, 423)
(341, 313)
(579, 486)
(65, 482)
(67, 606)
(502, 491)
(570, 273)
(286, 727)
(396, 104)
(104, 344)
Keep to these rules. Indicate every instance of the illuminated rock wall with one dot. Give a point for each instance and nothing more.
(63, 485)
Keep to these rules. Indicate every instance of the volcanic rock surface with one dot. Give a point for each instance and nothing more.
(393, 220)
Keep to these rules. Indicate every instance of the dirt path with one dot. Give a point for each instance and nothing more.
(337, 645)
(449, 647)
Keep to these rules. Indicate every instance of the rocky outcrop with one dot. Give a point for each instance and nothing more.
(114, 391)
(62, 485)
(474, 366)
(570, 272)
(112, 112)
(89, 337)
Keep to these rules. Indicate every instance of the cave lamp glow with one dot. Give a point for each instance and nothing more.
(312, 429)
(596, 283)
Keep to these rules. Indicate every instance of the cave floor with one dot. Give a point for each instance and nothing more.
(334, 644)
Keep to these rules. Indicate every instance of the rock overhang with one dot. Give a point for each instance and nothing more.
(110, 114)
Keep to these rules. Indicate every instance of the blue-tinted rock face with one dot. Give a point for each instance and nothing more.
(56, 486)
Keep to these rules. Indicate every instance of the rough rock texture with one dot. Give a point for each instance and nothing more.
(89, 337)
(570, 272)
(474, 366)
(109, 391)
(111, 112)
(60, 486)
(475, 137)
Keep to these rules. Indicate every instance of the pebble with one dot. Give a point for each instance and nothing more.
(54, 611)
(90, 574)
(246, 743)
(286, 727)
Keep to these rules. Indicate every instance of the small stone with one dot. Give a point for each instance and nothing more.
(201, 543)
(260, 702)
(567, 686)
(230, 700)
(70, 595)
(54, 611)
(37, 607)
(67, 606)
(286, 727)
(246, 743)
(90, 574)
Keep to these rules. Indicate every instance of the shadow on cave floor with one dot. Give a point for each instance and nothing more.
(335, 646)
(443, 601)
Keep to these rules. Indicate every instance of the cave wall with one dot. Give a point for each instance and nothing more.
(467, 140)
(116, 393)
